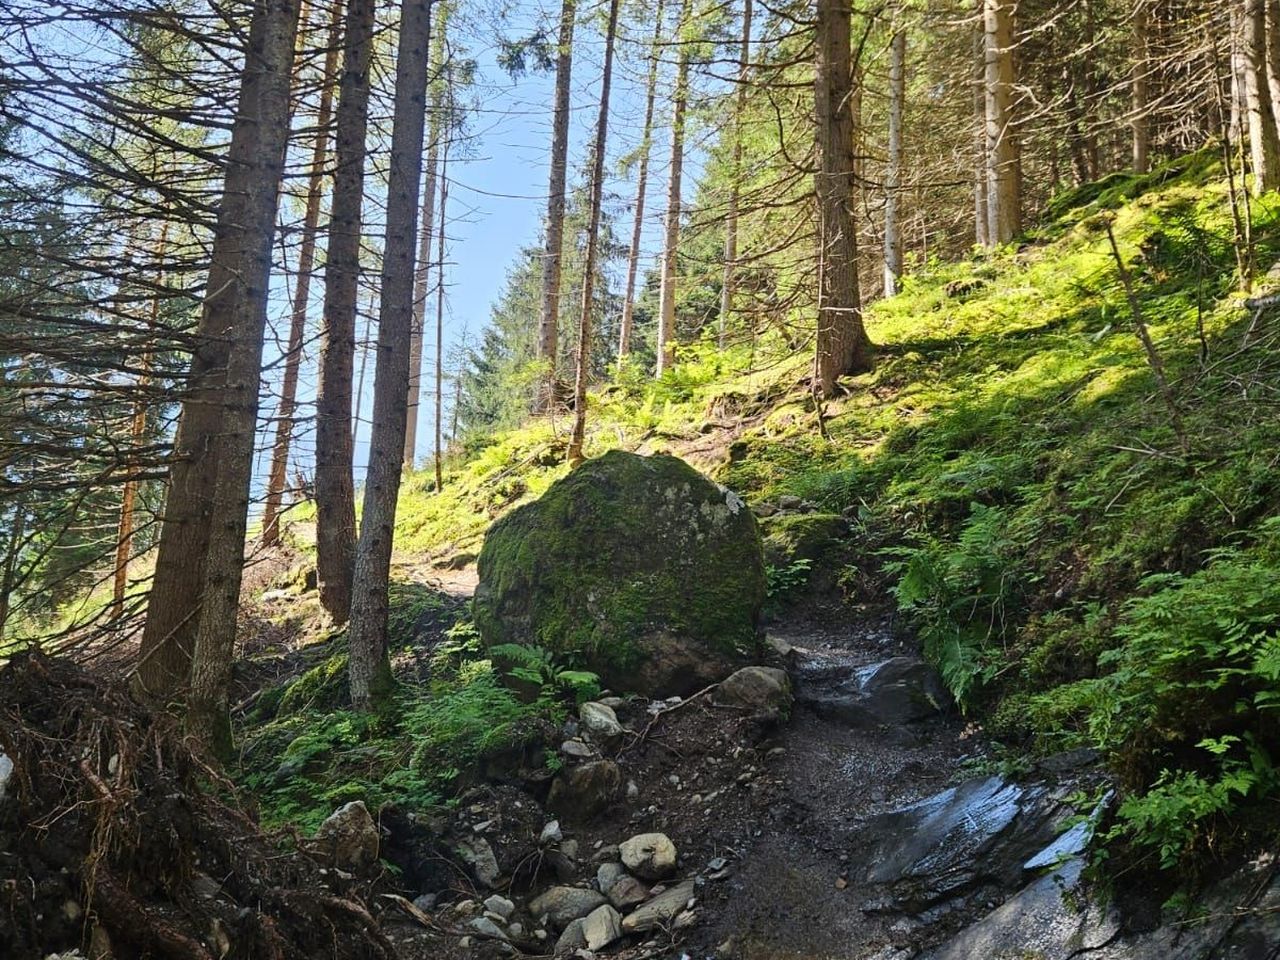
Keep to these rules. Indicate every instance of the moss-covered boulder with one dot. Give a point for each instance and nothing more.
(638, 568)
(789, 537)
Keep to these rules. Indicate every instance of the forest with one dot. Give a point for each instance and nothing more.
(642, 478)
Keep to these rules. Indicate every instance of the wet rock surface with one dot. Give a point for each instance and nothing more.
(980, 832)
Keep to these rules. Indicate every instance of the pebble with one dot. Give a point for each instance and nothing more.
(650, 856)
(551, 833)
(633, 790)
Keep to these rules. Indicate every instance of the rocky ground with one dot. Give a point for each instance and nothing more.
(828, 803)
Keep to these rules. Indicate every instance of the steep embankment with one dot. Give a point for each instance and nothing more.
(1076, 554)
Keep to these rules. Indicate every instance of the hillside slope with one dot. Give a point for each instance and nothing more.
(1085, 564)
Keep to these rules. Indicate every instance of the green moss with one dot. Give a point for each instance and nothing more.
(623, 548)
(324, 686)
(801, 536)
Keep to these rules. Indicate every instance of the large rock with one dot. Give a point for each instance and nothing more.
(582, 792)
(350, 837)
(763, 690)
(639, 567)
(601, 927)
(650, 856)
(477, 854)
(1050, 919)
(661, 910)
(892, 693)
(562, 905)
(980, 833)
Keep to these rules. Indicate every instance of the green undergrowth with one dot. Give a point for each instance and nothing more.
(313, 753)
(1011, 476)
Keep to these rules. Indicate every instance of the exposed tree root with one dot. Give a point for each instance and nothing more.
(112, 823)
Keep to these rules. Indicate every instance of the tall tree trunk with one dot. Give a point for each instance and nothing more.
(842, 344)
(735, 177)
(671, 239)
(335, 485)
(642, 186)
(549, 323)
(17, 531)
(981, 212)
(234, 306)
(1004, 218)
(422, 274)
(370, 670)
(1264, 143)
(893, 169)
(444, 205)
(1273, 54)
(285, 424)
(235, 310)
(1141, 123)
(593, 242)
(137, 432)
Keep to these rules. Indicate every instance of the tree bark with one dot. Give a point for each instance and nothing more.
(1004, 218)
(981, 214)
(1264, 143)
(422, 275)
(285, 424)
(1273, 54)
(370, 670)
(642, 185)
(335, 485)
(1141, 123)
(548, 325)
(842, 344)
(235, 311)
(893, 168)
(731, 214)
(671, 240)
(137, 432)
(582, 371)
(234, 305)
(444, 205)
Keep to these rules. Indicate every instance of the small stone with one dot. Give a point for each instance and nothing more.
(576, 749)
(650, 856)
(789, 502)
(633, 791)
(482, 826)
(717, 863)
(841, 883)
(6, 771)
(426, 902)
(487, 928)
(551, 833)
(465, 907)
(465, 943)
(601, 927)
(516, 929)
(501, 906)
(628, 892)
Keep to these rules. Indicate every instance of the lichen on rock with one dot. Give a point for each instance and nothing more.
(638, 568)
